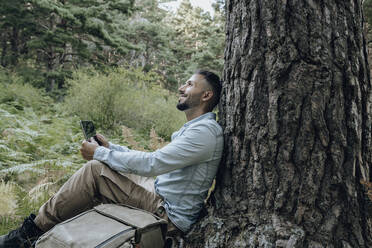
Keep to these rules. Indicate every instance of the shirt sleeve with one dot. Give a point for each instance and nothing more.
(119, 148)
(195, 145)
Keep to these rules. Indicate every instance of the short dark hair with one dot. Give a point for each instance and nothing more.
(215, 82)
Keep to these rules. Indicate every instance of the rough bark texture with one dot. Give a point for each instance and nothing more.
(296, 111)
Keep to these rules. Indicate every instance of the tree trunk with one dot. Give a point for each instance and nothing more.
(296, 111)
(4, 49)
(51, 58)
(14, 42)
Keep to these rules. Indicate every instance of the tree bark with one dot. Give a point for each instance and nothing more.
(296, 110)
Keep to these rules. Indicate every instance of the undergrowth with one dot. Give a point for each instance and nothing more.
(40, 141)
(127, 97)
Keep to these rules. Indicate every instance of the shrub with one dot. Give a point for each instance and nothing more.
(13, 91)
(124, 97)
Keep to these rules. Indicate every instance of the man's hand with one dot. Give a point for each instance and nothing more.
(103, 140)
(87, 149)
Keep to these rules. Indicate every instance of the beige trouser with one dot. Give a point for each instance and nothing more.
(96, 183)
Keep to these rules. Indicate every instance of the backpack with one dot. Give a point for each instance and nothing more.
(107, 226)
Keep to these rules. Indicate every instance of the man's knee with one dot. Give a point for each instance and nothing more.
(94, 166)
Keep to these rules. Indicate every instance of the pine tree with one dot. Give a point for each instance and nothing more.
(175, 44)
(61, 35)
(198, 39)
(153, 37)
(72, 33)
(16, 25)
(296, 112)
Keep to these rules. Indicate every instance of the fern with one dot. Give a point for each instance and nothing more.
(8, 201)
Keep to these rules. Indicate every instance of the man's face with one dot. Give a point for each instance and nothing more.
(191, 92)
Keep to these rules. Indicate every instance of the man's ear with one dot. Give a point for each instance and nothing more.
(207, 95)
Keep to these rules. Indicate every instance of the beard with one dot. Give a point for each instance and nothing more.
(182, 106)
(191, 101)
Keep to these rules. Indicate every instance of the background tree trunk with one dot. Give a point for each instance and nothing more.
(14, 42)
(4, 49)
(296, 110)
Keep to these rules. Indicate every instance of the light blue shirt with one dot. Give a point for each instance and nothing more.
(185, 168)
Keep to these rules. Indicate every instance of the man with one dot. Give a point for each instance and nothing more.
(185, 169)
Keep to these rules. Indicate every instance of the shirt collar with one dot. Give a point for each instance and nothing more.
(209, 115)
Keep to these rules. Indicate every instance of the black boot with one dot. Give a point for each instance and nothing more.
(23, 237)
